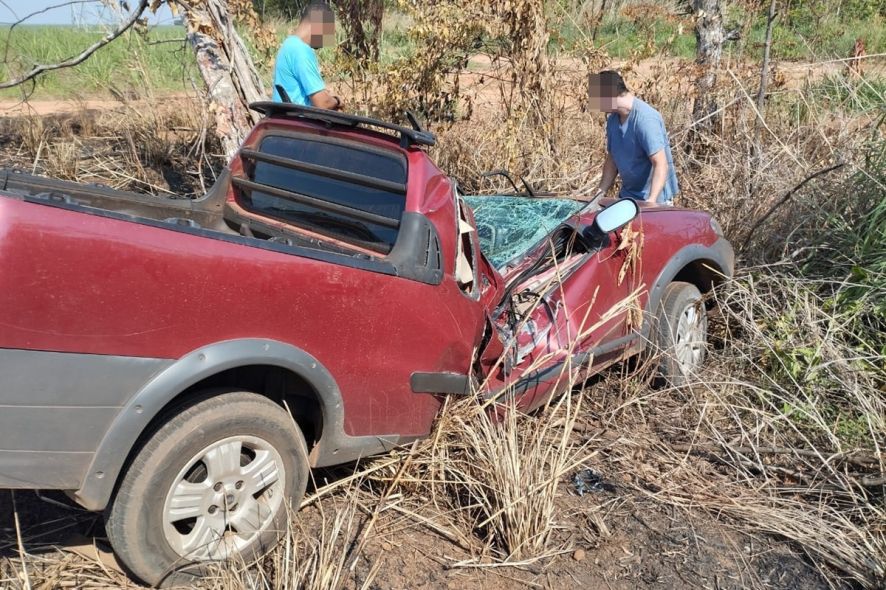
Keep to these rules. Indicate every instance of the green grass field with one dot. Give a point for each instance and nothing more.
(158, 59)
(801, 40)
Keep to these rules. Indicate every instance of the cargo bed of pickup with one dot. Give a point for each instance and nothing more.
(206, 213)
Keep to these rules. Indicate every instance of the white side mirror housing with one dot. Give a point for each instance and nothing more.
(616, 215)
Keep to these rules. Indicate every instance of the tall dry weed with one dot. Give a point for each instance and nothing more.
(783, 431)
(497, 480)
(143, 145)
(317, 552)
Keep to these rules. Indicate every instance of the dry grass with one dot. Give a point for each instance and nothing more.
(782, 434)
(145, 146)
(792, 451)
(322, 557)
(495, 482)
(784, 431)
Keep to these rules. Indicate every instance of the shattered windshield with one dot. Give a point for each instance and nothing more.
(509, 226)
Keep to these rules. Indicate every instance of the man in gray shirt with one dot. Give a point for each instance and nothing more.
(637, 145)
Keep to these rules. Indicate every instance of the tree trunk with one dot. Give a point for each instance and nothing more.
(709, 39)
(227, 69)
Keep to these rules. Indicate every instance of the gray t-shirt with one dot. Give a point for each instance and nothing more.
(645, 135)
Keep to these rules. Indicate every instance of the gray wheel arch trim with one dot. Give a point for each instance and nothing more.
(720, 253)
(141, 408)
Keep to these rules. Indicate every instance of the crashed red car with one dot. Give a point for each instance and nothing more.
(153, 349)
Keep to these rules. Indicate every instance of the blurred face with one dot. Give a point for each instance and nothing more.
(322, 29)
(601, 95)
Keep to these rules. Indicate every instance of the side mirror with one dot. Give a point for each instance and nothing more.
(616, 215)
(610, 219)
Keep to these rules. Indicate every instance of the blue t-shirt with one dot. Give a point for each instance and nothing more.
(644, 136)
(297, 71)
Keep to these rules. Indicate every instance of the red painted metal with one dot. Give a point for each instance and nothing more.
(72, 282)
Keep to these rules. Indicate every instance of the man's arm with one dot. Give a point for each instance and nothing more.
(326, 100)
(659, 175)
(307, 71)
(653, 139)
(607, 179)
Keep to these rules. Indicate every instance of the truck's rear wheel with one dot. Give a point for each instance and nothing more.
(213, 483)
(682, 328)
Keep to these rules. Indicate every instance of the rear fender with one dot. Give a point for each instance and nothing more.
(123, 435)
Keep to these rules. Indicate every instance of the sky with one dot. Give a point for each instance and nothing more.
(86, 12)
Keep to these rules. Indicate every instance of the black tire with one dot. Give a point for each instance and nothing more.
(143, 523)
(676, 363)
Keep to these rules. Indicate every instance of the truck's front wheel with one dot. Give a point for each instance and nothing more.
(682, 328)
(214, 482)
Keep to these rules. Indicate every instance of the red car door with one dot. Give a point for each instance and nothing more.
(577, 311)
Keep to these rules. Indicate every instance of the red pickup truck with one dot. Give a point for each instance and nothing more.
(182, 364)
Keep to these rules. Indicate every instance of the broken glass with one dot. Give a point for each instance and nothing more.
(509, 226)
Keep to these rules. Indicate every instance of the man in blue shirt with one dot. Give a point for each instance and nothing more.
(637, 145)
(296, 70)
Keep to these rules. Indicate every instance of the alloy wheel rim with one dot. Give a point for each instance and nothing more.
(690, 339)
(223, 498)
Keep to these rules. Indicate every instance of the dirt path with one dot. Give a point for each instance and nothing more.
(790, 76)
(60, 106)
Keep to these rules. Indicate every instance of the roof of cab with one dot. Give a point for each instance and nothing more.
(408, 136)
